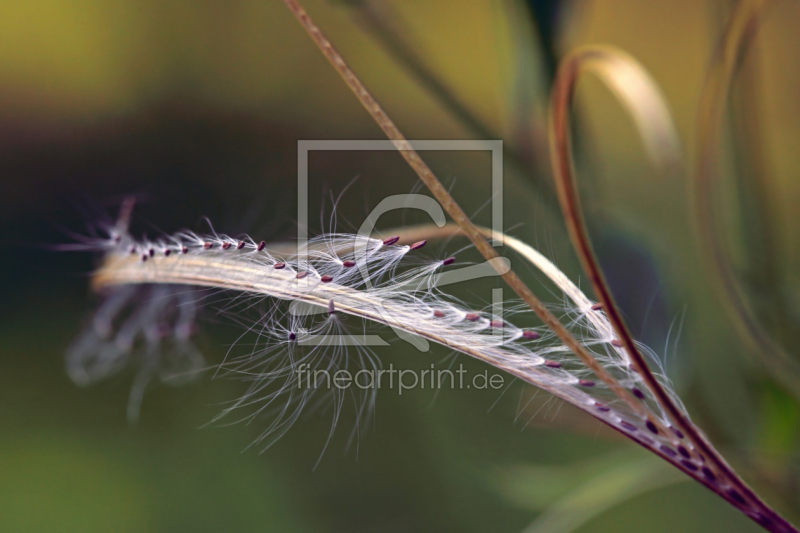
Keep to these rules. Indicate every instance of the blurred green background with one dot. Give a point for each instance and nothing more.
(197, 106)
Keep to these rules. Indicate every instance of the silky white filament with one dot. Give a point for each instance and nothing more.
(339, 273)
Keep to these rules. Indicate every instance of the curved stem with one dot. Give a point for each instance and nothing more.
(617, 68)
(715, 96)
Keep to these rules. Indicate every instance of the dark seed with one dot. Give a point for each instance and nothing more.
(638, 393)
(391, 240)
(598, 306)
(240, 245)
(151, 252)
(497, 324)
(586, 383)
(602, 407)
(292, 336)
(301, 274)
(552, 364)
(449, 261)
(627, 425)
(735, 496)
(326, 279)
(207, 245)
(616, 343)
(167, 252)
(144, 258)
(133, 250)
(279, 266)
(689, 465)
(668, 451)
(331, 308)
(261, 246)
(473, 317)
(708, 473)
(418, 245)
(348, 264)
(678, 432)
(438, 314)
(684, 452)
(532, 335)
(226, 245)
(652, 427)
(185, 250)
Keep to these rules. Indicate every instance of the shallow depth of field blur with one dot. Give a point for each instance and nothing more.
(198, 107)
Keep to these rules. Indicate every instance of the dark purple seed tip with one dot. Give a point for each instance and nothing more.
(473, 317)
(678, 432)
(240, 245)
(602, 407)
(497, 324)
(301, 274)
(167, 252)
(531, 335)
(151, 252)
(735, 496)
(207, 245)
(708, 473)
(652, 427)
(185, 250)
(348, 264)
(668, 451)
(279, 266)
(449, 261)
(552, 364)
(117, 239)
(418, 245)
(144, 258)
(326, 279)
(331, 308)
(627, 425)
(684, 452)
(133, 250)
(226, 245)
(292, 336)
(638, 393)
(391, 240)
(438, 314)
(688, 465)
(261, 246)
(616, 343)
(598, 306)
(586, 383)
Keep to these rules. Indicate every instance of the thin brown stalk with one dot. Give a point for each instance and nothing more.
(389, 30)
(715, 96)
(617, 68)
(454, 210)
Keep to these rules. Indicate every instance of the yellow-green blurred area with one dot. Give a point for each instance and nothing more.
(197, 107)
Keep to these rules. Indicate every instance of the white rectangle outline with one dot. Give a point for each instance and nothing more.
(304, 146)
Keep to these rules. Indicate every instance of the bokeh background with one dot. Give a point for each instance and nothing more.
(197, 106)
